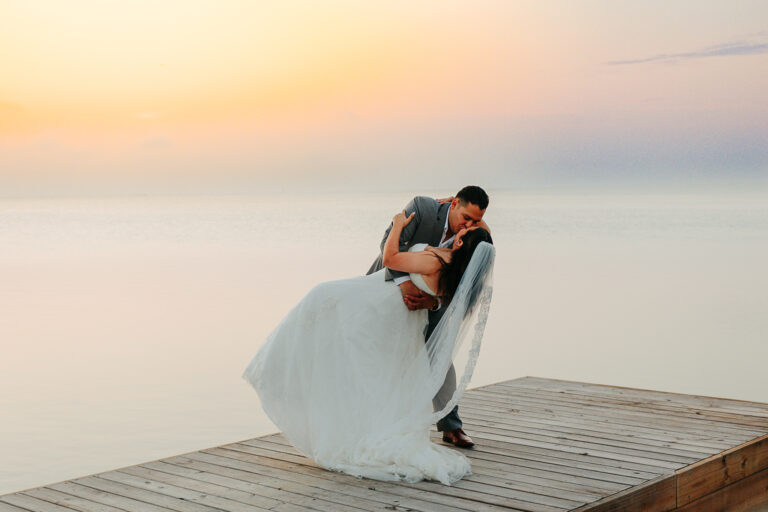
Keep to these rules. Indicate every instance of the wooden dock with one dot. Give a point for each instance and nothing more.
(542, 445)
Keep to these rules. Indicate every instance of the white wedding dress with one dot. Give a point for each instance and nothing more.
(345, 376)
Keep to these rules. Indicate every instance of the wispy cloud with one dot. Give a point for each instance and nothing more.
(756, 46)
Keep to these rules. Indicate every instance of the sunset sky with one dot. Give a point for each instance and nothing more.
(201, 96)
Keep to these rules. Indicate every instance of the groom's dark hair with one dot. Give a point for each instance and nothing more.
(475, 195)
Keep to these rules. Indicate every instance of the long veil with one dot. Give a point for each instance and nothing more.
(460, 331)
(397, 446)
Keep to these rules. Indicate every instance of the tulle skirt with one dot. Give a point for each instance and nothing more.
(344, 377)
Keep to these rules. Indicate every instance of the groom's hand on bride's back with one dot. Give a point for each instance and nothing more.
(421, 301)
(414, 299)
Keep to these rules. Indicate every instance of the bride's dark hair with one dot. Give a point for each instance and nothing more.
(452, 271)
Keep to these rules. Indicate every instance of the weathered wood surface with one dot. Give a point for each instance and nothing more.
(542, 445)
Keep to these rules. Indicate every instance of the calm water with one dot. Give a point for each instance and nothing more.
(125, 323)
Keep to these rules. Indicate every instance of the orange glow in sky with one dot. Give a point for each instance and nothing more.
(114, 88)
(97, 64)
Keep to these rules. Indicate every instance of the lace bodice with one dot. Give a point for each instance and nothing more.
(418, 279)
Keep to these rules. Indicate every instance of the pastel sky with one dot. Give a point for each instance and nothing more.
(228, 96)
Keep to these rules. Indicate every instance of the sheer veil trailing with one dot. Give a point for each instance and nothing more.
(399, 448)
(461, 328)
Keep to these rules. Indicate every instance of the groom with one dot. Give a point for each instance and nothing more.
(436, 224)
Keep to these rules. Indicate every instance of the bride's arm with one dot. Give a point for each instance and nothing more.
(416, 262)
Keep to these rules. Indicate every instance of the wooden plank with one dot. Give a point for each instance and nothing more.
(573, 453)
(290, 507)
(216, 491)
(67, 500)
(656, 495)
(510, 475)
(551, 478)
(511, 412)
(718, 403)
(706, 476)
(574, 459)
(555, 470)
(151, 498)
(337, 499)
(502, 495)
(570, 466)
(261, 461)
(516, 477)
(516, 497)
(634, 415)
(546, 480)
(672, 404)
(668, 408)
(638, 434)
(618, 439)
(7, 507)
(610, 477)
(107, 498)
(643, 400)
(385, 498)
(314, 475)
(673, 452)
(505, 393)
(204, 477)
(662, 449)
(249, 476)
(512, 482)
(537, 415)
(522, 448)
(606, 407)
(379, 497)
(33, 504)
(248, 462)
(608, 416)
(608, 452)
(745, 495)
(295, 494)
(291, 500)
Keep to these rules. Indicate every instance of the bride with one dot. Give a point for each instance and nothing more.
(346, 374)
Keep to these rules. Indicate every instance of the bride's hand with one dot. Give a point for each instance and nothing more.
(401, 220)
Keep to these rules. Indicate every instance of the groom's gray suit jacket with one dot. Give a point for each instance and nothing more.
(426, 228)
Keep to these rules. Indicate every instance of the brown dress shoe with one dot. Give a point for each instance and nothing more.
(458, 438)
